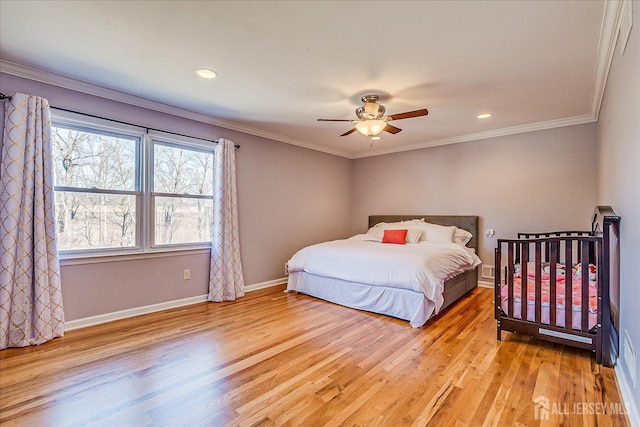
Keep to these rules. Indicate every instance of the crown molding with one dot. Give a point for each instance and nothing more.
(533, 127)
(66, 82)
(611, 20)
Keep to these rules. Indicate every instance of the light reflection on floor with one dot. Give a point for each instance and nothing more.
(154, 394)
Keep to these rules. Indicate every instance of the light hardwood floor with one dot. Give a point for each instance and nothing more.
(272, 358)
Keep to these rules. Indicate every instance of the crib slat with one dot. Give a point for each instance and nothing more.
(585, 286)
(538, 282)
(552, 282)
(579, 252)
(568, 274)
(524, 279)
(510, 271)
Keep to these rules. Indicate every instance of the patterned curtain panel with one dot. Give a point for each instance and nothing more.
(225, 279)
(30, 292)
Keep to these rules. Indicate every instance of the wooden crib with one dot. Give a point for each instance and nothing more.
(568, 278)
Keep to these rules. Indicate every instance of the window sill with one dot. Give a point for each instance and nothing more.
(98, 259)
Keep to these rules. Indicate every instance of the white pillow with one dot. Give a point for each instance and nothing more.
(414, 234)
(381, 226)
(461, 237)
(438, 233)
(417, 222)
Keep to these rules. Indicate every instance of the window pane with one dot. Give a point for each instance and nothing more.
(94, 221)
(182, 171)
(93, 160)
(182, 220)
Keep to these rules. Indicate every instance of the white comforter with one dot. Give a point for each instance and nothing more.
(421, 267)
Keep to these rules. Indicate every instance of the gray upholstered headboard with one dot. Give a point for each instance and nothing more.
(466, 222)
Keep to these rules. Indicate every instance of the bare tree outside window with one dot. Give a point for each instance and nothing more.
(183, 194)
(95, 181)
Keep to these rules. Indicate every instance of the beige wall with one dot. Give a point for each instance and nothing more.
(533, 181)
(289, 197)
(619, 185)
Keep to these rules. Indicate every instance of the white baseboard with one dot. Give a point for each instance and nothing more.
(483, 284)
(263, 285)
(627, 396)
(137, 311)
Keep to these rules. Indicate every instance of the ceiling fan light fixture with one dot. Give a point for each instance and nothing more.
(372, 119)
(371, 109)
(371, 128)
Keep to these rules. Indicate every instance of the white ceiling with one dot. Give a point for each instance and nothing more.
(283, 64)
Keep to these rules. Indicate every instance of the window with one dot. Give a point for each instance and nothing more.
(97, 188)
(182, 194)
(119, 189)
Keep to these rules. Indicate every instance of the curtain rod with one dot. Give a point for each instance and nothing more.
(145, 127)
(3, 97)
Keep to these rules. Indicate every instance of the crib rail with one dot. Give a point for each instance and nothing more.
(547, 235)
(553, 234)
(568, 251)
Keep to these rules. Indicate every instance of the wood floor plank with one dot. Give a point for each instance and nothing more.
(273, 358)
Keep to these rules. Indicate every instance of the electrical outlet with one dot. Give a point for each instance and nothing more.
(491, 232)
(186, 275)
(286, 269)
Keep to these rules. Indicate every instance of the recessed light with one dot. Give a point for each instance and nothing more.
(375, 138)
(206, 73)
(485, 115)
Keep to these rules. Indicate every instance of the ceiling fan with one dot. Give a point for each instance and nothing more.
(372, 120)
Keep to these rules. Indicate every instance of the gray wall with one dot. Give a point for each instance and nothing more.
(533, 181)
(619, 183)
(289, 197)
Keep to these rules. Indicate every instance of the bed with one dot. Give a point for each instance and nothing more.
(400, 293)
(562, 286)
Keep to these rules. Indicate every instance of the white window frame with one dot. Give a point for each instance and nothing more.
(144, 248)
(175, 141)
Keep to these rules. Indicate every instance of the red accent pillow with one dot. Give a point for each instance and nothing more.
(395, 236)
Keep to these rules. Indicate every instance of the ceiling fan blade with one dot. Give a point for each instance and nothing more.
(409, 114)
(349, 132)
(391, 129)
(334, 120)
